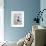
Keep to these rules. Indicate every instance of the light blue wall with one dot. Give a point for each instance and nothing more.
(29, 7)
(43, 6)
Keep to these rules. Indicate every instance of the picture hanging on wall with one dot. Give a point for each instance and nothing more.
(17, 18)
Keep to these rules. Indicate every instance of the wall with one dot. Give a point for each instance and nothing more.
(43, 6)
(29, 7)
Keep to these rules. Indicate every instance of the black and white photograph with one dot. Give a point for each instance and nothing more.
(17, 18)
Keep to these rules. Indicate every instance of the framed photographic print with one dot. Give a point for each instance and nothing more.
(17, 18)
